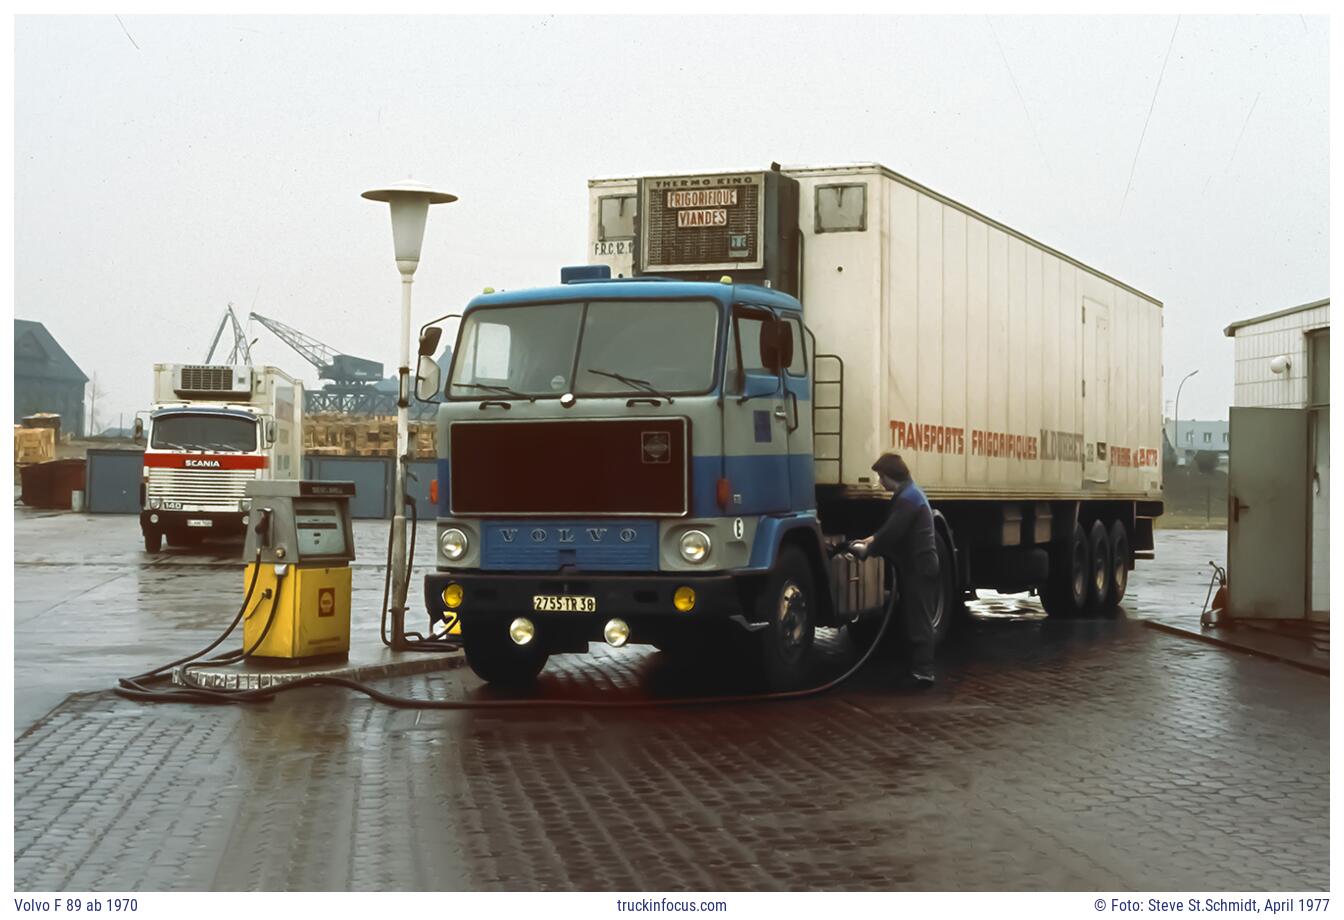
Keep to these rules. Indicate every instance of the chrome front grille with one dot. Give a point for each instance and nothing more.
(200, 490)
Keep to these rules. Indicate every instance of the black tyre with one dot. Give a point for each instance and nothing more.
(1065, 593)
(153, 541)
(496, 659)
(1120, 563)
(787, 605)
(950, 614)
(1098, 568)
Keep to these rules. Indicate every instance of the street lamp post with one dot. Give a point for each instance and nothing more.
(409, 203)
(1178, 409)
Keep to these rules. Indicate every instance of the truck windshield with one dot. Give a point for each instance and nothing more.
(586, 348)
(204, 432)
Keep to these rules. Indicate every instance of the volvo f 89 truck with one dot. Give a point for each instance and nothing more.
(667, 447)
(213, 428)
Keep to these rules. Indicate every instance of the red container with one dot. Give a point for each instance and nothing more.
(48, 485)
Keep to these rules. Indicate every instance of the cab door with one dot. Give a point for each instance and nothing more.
(756, 419)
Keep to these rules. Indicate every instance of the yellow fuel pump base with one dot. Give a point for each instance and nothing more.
(312, 611)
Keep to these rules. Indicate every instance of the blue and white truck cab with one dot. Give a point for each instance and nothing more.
(628, 461)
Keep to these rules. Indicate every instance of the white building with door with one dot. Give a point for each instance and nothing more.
(1279, 472)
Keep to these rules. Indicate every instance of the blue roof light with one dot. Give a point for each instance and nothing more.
(577, 274)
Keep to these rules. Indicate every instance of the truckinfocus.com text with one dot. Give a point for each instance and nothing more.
(646, 905)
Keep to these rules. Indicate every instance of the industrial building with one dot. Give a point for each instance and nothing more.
(1190, 437)
(46, 379)
(1279, 471)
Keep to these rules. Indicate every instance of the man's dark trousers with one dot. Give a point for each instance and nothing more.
(919, 604)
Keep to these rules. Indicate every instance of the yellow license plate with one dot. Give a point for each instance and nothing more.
(564, 603)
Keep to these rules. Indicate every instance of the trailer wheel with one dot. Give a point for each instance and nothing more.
(153, 541)
(787, 605)
(1065, 593)
(1099, 576)
(1120, 562)
(496, 659)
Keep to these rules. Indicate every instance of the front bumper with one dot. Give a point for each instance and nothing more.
(221, 522)
(492, 601)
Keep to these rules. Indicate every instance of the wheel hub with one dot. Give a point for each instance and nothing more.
(792, 616)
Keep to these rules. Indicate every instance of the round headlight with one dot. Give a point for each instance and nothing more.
(155, 504)
(521, 631)
(694, 546)
(244, 504)
(454, 543)
(452, 596)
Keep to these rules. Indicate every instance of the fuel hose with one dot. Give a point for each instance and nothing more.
(142, 686)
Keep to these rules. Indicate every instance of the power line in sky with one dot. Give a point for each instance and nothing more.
(1151, 106)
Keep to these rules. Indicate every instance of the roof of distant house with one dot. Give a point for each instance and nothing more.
(37, 355)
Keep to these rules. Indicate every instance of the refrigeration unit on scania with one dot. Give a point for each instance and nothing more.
(212, 429)
(663, 448)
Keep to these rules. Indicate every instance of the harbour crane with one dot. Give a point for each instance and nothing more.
(241, 352)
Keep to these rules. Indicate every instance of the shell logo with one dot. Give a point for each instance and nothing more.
(326, 602)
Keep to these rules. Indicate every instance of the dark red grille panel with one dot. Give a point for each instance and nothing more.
(581, 467)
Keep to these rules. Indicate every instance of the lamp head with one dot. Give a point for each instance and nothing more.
(409, 203)
(1280, 363)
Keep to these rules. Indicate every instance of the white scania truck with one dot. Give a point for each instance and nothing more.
(706, 437)
(213, 428)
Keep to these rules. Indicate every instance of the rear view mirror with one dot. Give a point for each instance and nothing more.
(139, 431)
(429, 340)
(270, 431)
(427, 375)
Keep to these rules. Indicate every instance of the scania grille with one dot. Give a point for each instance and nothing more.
(205, 490)
(579, 468)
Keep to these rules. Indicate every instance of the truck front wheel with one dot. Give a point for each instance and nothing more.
(497, 660)
(787, 605)
(153, 541)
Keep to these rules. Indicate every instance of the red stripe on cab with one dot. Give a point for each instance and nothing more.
(206, 461)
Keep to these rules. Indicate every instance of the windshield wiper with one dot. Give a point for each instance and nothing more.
(171, 445)
(496, 388)
(633, 382)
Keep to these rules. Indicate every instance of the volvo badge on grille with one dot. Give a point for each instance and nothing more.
(657, 446)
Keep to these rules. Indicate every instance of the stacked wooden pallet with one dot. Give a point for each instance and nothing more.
(33, 445)
(371, 436)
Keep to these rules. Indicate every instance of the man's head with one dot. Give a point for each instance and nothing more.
(891, 471)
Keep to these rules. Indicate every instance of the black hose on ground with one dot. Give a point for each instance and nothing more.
(146, 687)
(263, 694)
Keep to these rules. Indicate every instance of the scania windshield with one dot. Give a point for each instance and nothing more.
(185, 431)
(592, 348)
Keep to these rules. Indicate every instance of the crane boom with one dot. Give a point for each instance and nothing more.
(330, 364)
(240, 350)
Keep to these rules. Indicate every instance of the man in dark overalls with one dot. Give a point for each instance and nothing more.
(908, 540)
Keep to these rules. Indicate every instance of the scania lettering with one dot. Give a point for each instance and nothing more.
(664, 448)
(213, 428)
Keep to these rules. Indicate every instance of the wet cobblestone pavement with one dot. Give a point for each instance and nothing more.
(1083, 755)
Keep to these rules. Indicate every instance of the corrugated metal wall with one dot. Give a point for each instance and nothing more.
(1259, 343)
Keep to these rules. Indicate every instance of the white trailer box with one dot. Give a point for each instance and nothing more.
(997, 366)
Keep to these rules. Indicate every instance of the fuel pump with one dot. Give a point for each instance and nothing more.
(299, 553)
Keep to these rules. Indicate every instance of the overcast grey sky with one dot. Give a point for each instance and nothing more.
(167, 169)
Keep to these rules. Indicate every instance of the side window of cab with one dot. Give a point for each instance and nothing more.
(744, 348)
